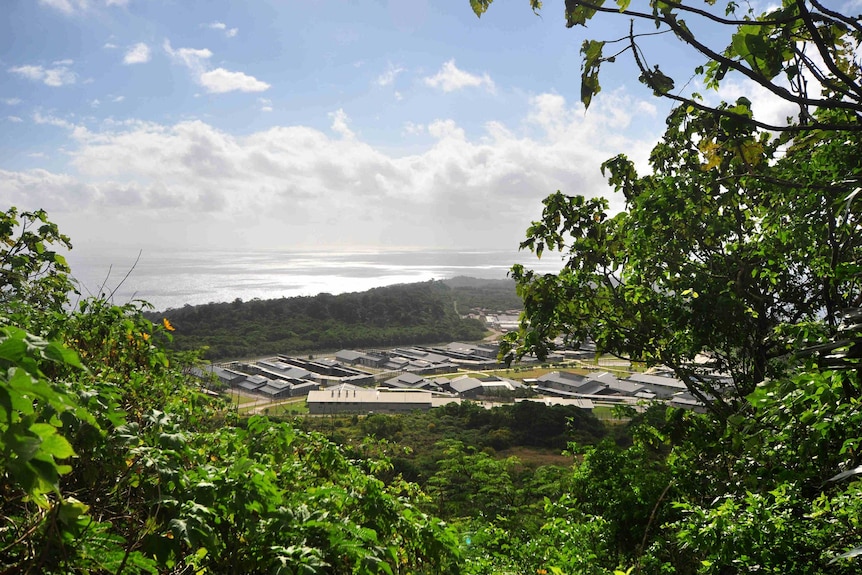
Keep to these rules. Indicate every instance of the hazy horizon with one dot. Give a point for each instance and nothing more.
(178, 278)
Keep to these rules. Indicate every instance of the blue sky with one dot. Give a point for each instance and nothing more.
(305, 124)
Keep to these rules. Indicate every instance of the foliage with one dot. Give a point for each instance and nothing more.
(417, 442)
(388, 316)
(113, 461)
(739, 245)
(738, 254)
(772, 502)
(34, 278)
(713, 255)
(800, 51)
(482, 294)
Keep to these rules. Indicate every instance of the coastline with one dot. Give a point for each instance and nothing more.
(178, 278)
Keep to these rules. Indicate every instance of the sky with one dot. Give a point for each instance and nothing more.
(312, 124)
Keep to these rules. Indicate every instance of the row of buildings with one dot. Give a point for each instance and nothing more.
(404, 379)
(607, 388)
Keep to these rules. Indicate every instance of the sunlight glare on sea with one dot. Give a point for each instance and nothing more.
(174, 279)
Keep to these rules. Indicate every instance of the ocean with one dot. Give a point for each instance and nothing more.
(172, 279)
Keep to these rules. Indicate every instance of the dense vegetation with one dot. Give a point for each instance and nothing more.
(112, 461)
(418, 441)
(739, 252)
(484, 294)
(404, 314)
(740, 246)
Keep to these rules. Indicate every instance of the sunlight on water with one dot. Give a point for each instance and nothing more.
(173, 279)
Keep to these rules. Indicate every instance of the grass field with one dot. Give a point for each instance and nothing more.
(295, 405)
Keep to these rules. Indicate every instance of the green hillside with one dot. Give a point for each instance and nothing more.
(404, 314)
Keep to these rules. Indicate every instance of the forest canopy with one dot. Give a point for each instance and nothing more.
(406, 314)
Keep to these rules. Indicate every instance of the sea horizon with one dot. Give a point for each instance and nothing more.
(173, 279)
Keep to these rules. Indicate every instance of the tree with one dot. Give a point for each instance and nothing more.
(33, 276)
(803, 52)
(740, 245)
(714, 253)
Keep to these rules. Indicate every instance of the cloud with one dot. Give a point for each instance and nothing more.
(229, 32)
(190, 57)
(54, 77)
(43, 188)
(73, 6)
(15, 119)
(137, 54)
(443, 129)
(387, 78)
(217, 81)
(65, 6)
(12, 101)
(77, 132)
(295, 185)
(339, 123)
(450, 79)
(265, 104)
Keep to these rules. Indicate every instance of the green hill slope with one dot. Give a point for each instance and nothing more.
(395, 315)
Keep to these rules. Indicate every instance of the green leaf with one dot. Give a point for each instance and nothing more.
(578, 15)
(480, 6)
(61, 354)
(57, 446)
(13, 349)
(592, 52)
(71, 509)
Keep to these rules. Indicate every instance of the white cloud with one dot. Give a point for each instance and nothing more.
(414, 129)
(12, 101)
(72, 6)
(191, 57)
(29, 72)
(445, 129)
(40, 188)
(387, 78)
(15, 119)
(450, 79)
(118, 99)
(65, 6)
(54, 77)
(110, 46)
(265, 104)
(229, 32)
(219, 81)
(339, 123)
(137, 54)
(299, 186)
